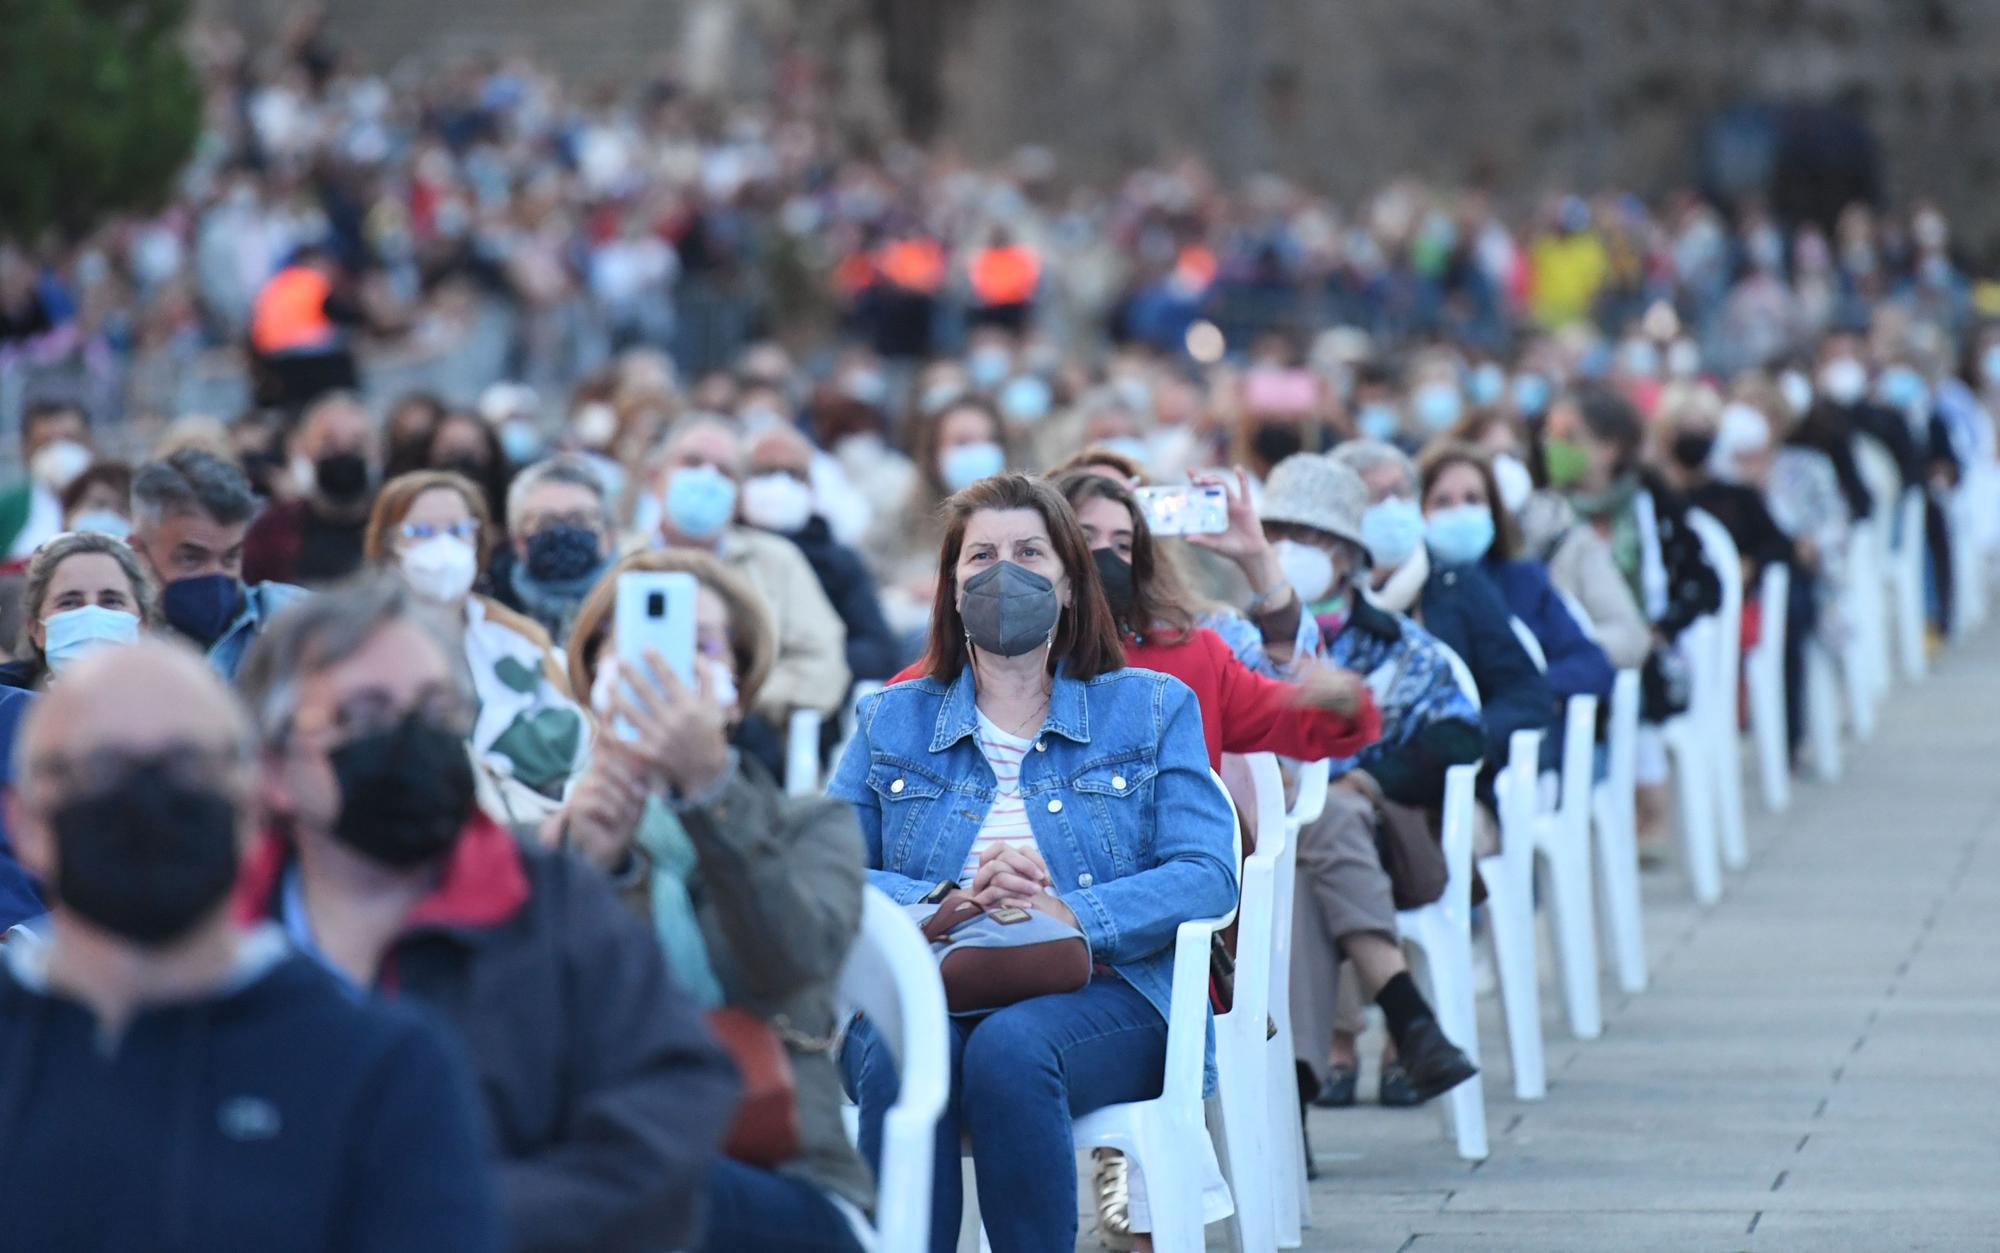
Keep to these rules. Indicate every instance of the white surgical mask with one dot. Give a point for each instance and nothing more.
(1797, 389)
(1307, 568)
(440, 569)
(1843, 380)
(73, 632)
(968, 463)
(777, 502)
(103, 521)
(56, 465)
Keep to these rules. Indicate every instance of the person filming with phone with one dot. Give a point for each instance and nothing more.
(755, 895)
(1029, 770)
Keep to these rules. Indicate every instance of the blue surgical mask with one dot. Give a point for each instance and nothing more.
(1026, 398)
(1531, 395)
(987, 367)
(1989, 364)
(966, 464)
(1487, 384)
(700, 501)
(1377, 421)
(1437, 405)
(201, 607)
(1901, 388)
(520, 443)
(76, 631)
(104, 522)
(1392, 529)
(1461, 534)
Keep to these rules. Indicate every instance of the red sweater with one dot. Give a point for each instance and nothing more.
(1241, 710)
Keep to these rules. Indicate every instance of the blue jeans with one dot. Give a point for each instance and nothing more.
(1019, 1075)
(752, 1210)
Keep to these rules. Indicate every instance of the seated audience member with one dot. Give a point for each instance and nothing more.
(1456, 603)
(466, 444)
(778, 497)
(1591, 449)
(55, 449)
(413, 418)
(171, 1080)
(604, 1098)
(528, 736)
(986, 773)
(83, 589)
(1465, 525)
(1578, 559)
(100, 499)
(1315, 511)
(560, 536)
(315, 539)
(697, 474)
(20, 895)
(190, 513)
(756, 896)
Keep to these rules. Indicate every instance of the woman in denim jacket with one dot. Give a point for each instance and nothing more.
(1030, 767)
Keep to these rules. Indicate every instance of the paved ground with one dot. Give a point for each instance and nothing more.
(1815, 1067)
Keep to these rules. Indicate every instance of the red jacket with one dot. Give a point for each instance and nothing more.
(1241, 710)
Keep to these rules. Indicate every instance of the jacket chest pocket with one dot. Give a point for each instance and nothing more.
(908, 801)
(1118, 799)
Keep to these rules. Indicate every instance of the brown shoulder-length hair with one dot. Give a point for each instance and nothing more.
(752, 639)
(1440, 457)
(398, 495)
(1159, 601)
(929, 431)
(1086, 642)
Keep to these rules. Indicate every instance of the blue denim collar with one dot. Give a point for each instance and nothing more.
(958, 716)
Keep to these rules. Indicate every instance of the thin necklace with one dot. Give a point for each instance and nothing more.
(1018, 730)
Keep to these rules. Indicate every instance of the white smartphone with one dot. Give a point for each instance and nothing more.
(655, 613)
(1185, 508)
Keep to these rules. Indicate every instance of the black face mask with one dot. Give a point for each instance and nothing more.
(1115, 573)
(1275, 441)
(563, 553)
(341, 476)
(146, 858)
(405, 793)
(1691, 448)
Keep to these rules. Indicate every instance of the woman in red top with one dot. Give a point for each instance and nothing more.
(1329, 713)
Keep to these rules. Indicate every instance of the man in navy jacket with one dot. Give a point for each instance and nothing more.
(167, 1080)
(20, 896)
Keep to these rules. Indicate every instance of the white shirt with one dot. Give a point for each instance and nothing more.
(1007, 821)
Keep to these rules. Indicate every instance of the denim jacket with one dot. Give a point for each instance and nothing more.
(1133, 827)
(261, 601)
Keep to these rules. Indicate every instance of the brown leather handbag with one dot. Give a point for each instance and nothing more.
(765, 1128)
(1409, 842)
(989, 959)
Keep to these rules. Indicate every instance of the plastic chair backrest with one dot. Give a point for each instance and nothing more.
(1459, 782)
(1774, 592)
(892, 978)
(802, 735)
(1461, 672)
(1530, 643)
(1582, 615)
(1187, 1017)
(1311, 800)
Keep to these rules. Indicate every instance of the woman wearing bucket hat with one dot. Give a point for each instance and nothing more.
(1312, 512)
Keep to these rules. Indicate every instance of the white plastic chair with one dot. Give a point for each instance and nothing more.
(1617, 835)
(892, 977)
(1441, 932)
(1764, 673)
(1726, 708)
(1868, 659)
(1244, 1052)
(1823, 709)
(1509, 876)
(802, 752)
(1290, 1191)
(1968, 557)
(1907, 578)
(1164, 1137)
(1688, 737)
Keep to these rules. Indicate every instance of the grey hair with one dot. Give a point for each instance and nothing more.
(42, 571)
(1365, 456)
(321, 631)
(563, 469)
(192, 480)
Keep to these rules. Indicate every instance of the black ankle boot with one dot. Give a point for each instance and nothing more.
(1432, 1065)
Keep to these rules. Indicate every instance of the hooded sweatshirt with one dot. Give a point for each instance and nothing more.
(279, 1113)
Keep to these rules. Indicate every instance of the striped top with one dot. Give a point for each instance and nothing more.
(1007, 821)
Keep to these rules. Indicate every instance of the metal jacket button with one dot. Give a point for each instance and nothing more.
(1084, 880)
(1118, 781)
(1055, 807)
(896, 788)
(1041, 747)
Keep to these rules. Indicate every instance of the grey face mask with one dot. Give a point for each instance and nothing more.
(1009, 610)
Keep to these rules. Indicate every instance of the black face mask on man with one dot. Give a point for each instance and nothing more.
(405, 792)
(147, 857)
(1009, 610)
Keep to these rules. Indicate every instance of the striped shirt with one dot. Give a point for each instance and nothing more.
(1007, 821)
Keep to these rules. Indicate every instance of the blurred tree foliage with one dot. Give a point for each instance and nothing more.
(99, 109)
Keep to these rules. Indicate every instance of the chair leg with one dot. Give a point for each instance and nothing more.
(1730, 841)
(1576, 939)
(1823, 702)
(1697, 814)
(1510, 915)
(1173, 1191)
(1618, 871)
(1449, 964)
(1767, 724)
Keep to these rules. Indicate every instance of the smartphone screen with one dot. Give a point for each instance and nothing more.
(654, 613)
(1185, 509)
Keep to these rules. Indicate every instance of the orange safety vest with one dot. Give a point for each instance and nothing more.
(290, 312)
(913, 264)
(1006, 276)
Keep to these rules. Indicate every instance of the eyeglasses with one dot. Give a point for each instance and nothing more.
(582, 519)
(466, 530)
(373, 710)
(100, 769)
